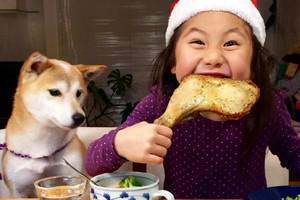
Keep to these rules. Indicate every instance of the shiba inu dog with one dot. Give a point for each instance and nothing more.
(41, 131)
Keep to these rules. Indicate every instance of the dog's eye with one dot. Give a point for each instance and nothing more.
(55, 92)
(78, 93)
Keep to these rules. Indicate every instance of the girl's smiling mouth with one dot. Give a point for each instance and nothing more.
(214, 74)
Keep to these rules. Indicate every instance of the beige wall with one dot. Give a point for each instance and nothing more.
(22, 33)
(287, 30)
(125, 34)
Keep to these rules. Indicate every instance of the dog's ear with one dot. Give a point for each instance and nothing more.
(90, 72)
(33, 66)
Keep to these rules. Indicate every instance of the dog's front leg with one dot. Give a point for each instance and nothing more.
(20, 173)
(22, 183)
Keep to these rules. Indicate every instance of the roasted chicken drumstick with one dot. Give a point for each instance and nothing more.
(231, 99)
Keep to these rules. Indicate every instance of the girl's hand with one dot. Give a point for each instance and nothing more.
(143, 143)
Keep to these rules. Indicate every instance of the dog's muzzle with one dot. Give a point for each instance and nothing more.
(78, 118)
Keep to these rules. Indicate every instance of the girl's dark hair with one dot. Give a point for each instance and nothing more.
(262, 65)
(163, 64)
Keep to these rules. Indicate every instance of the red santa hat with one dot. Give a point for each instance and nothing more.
(182, 10)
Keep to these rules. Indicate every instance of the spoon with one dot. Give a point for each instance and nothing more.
(67, 163)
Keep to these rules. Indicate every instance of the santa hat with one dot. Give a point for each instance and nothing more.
(182, 10)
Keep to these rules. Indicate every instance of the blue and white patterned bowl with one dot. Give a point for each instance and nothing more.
(106, 188)
(274, 193)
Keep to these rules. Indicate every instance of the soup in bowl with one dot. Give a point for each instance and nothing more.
(107, 187)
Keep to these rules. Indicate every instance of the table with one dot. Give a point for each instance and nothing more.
(87, 199)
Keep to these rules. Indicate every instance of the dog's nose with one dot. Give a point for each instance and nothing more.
(78, 118)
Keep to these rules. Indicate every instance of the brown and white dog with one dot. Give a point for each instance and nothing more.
(41, 131)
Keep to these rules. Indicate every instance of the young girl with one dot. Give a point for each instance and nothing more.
(206, 157)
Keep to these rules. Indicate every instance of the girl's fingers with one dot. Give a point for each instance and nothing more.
(143, 142)
(153, 159)
(163, 141)
(165, 131)
(158, 151)
(163, 137)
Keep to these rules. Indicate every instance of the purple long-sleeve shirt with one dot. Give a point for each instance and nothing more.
(202, 161)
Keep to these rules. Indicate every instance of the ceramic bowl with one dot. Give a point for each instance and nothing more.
(106, 187)
(274, 193)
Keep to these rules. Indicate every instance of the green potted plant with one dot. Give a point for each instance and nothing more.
(101, 109)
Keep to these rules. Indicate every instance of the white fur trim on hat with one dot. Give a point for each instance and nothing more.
(244, 9)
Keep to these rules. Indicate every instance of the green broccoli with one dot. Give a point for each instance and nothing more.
(289, 198)
(129, 181)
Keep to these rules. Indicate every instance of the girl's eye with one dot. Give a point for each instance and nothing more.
(199, 42)
(230, 43)
(78, 93)
(54, 92)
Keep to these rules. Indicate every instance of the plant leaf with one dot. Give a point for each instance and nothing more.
(119, 84)
(271, 20)
(128, 109)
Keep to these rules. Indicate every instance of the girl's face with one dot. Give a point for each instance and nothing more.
(215, 44)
